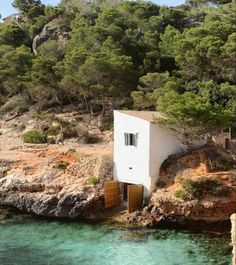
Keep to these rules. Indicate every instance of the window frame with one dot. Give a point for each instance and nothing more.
(233, 133)
(131, 139)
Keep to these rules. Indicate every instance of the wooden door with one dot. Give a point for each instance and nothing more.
(135, 197)
(111, 193)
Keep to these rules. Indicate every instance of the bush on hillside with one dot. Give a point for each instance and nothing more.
(197, 189)
(93, 181)
(91, 139)
(15, 104)
(61, 164)
(161, 183)
(181, 194)
(217, 161)
(34, 137)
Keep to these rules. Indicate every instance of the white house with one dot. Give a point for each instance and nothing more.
(227, 138)
(140, 147)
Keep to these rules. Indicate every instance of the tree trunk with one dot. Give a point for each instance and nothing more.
(103, 104)
(28, 95)
(68, 97)
(57, 99)
(86, 103)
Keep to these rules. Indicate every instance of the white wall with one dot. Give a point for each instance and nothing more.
(141, 164)
(162, 144)
(131, 163)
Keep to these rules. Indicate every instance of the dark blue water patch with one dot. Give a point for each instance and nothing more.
(28, 241)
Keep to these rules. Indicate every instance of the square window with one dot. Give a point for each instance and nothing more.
(131, 139)
(233, 132)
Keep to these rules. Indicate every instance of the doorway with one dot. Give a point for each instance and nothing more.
(132, 194)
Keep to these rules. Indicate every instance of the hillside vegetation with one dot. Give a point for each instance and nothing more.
(100, 55)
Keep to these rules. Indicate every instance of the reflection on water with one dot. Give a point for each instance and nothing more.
(28, 241)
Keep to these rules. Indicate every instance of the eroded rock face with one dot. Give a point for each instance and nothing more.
(163, 209)
(31, 190)
(62, 205)
(42, 37)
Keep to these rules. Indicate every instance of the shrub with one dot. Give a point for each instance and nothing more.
(61, 164)
(181, 194)
(216, 161)
(161, 183)
(220, 163)
(165, 164)
(70, 131)
(196, 189)
(52, 131)
(15, 104)
(71, 151)
(91, 139)
(34, 137)
(93, 181)
(106, 126)
(193, 188)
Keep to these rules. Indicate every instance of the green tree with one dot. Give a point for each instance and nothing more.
(167, 47)
(191, 116)
(45, 80)
(15, 67)
(30, 8)
(196, 3)
(206, 52)
(11, 34)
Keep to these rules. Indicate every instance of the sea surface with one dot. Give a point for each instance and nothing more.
(25, 240)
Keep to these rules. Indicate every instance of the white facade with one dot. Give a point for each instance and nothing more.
(226, 135)
(140, 164)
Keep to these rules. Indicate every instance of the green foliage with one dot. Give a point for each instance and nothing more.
(165, 164)
(31, 8)
(71, 151)
(191, 116)
(93, 181)
(205, 52)
(197, 3)
(61, 164)
(34, 137)
(44, 77)
(15, 66)
(51, 49)
(181, 194)
(106, 126)
(197, 189)
(12, 34)
(70, 131)
(178, 60)
(91, 139)
(216, 161)
(161, 183)
(15, 104)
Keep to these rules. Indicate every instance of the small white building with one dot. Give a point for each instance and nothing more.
(226, 138)
(140, 147)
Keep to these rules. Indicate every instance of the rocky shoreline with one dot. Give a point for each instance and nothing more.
(88, 205)
(62, 205)
(66, 182)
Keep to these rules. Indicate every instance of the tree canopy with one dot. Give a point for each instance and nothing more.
(102, 54)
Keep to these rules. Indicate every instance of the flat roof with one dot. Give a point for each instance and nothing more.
(144, 115)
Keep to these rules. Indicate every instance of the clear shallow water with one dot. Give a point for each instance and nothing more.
(28, 241)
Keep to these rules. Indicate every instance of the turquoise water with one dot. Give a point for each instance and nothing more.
(28, 241)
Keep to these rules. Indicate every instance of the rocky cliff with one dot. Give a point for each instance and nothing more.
(54, 180)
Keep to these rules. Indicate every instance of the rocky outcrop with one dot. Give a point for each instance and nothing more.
(65, 204)
(204, 210)
(56, 193)
(168, 210)
(50, 31)
(42, 37)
